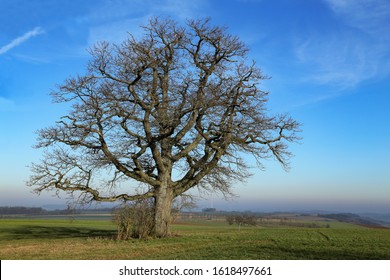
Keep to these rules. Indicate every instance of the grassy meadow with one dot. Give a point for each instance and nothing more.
(94, 239)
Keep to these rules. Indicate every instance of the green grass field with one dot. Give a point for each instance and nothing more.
(84, 239)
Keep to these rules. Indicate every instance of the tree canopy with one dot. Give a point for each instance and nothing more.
(174, 109)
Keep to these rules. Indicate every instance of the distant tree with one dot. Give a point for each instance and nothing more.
(250, 220)
(173, 110)
(242, 219)
(230, 219)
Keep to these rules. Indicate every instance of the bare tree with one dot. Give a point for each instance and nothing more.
(174, 109)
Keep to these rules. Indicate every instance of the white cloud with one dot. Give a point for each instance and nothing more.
(371, 16)
(355, 52)
(19, 40)
(339, 61)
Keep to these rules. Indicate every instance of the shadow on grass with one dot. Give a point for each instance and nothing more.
(52, 232)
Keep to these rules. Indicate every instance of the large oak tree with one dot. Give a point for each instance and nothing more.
(174, 109)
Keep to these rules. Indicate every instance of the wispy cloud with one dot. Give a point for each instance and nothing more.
(19, 40)
(351, 55)
(371, 16)
(343, 62)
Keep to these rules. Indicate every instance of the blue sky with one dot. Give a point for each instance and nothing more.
(330, 66)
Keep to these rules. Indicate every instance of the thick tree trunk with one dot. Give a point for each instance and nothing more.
(163, 205)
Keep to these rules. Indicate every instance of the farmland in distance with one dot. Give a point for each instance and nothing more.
(276, 237)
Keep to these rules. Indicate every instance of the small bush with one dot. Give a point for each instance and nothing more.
(135, 220)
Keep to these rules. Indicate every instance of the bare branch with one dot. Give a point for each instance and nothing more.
(173, 109)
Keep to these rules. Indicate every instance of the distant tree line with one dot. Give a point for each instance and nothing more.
(248, 219)
(21, 210)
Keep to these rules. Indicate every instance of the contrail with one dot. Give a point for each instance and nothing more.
(16, 42)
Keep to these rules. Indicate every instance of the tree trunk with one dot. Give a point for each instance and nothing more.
(163, 205)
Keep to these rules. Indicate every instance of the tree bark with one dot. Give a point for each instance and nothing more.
(163, 205)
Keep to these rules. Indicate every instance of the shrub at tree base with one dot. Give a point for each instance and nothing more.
(135, 220)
